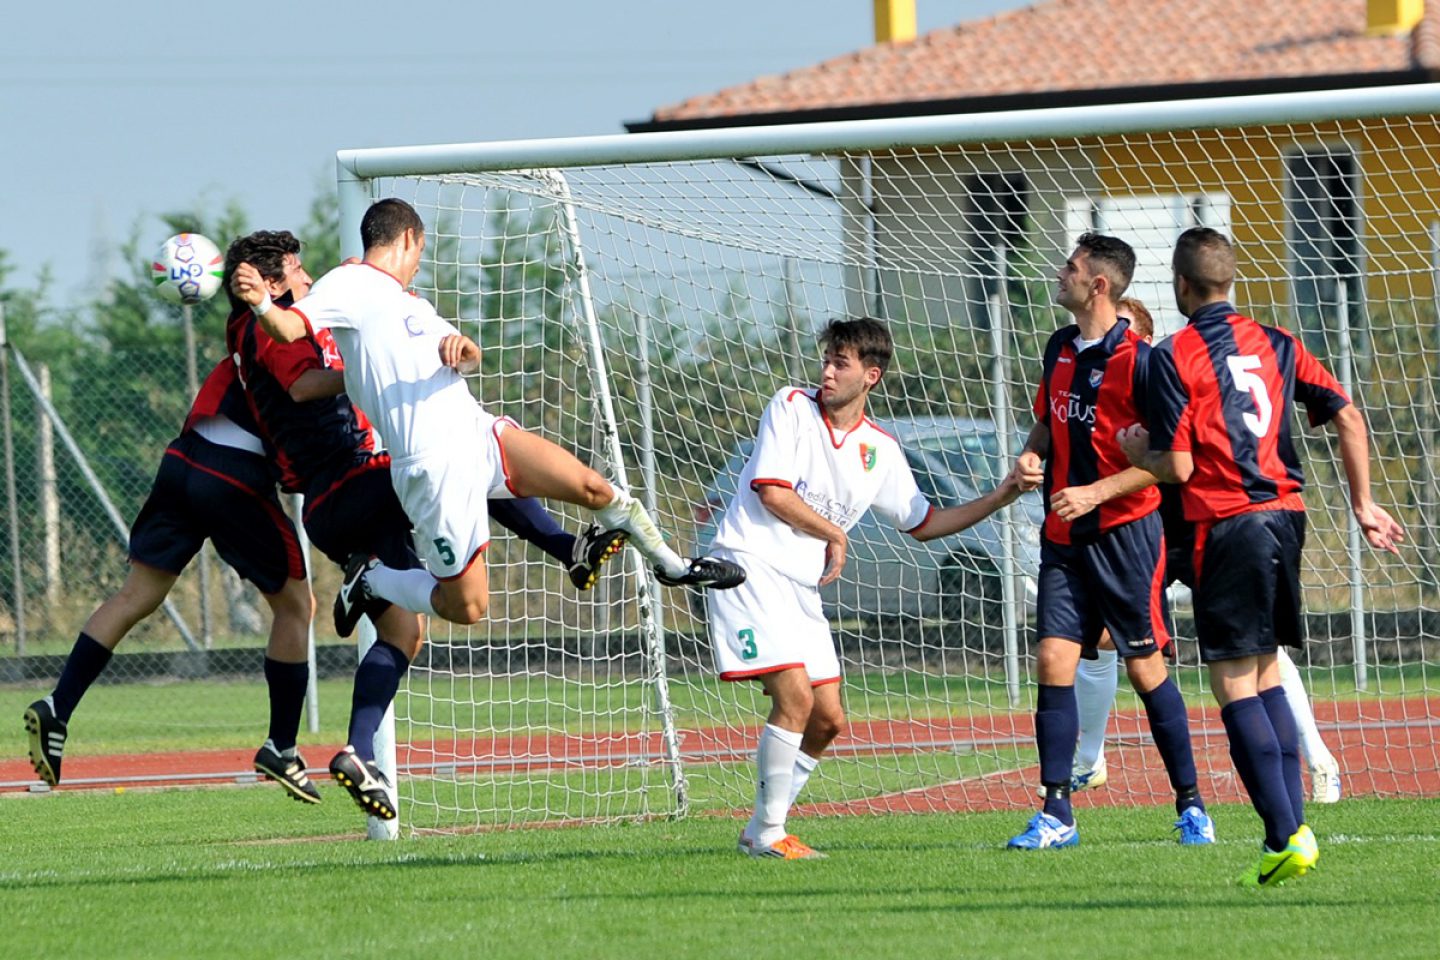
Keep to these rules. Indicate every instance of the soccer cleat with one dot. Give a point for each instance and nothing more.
(289, 772)
(1044, 832)
(707, 572)
(1096, 776)
(47, 740)
(367, 785)
(592, 549)
(1195, 827)
(354, 599)
(1325, 781)
(1275, 867)
(788, 847)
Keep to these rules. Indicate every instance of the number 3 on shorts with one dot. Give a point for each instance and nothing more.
(447, 556)
(747, 638)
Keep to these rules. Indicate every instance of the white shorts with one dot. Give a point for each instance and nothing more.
(769, 623)
(445, 494)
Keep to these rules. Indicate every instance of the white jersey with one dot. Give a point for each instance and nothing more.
(838, 475)
(390, 341)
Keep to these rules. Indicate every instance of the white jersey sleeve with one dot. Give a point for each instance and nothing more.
(899, 500)
(773, 460)
(328, 305)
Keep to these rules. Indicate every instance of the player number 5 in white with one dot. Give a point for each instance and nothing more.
(1240, 371)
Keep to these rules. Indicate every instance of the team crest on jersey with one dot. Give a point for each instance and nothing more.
(867, 456)
(1096, 376)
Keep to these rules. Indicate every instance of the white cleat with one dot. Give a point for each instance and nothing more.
(1325, 781)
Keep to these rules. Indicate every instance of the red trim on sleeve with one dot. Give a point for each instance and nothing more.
(929, 512)
(771, 482)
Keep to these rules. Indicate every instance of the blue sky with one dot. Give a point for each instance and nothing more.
(115, 112)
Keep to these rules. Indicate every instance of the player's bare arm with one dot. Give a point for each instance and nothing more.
(317, 385)
(460, 352)
(1381, 530)
(284, 325)
(786, 504)
(948, 520)
(1072, 503)
(1030, 466)
(1166, 466)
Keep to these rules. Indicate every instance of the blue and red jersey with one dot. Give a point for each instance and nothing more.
(1224, 390)
(222, 394)
(1085, 399)
(316, 442)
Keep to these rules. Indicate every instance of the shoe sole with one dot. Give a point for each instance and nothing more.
(368, 804)
(292, 789)
(37, 751)
(616, 544)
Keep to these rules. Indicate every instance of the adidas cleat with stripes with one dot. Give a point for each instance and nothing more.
(592, 549)
(47, 740)
(366, 784)
(289, 772)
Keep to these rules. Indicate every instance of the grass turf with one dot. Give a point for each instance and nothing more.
(216, 872)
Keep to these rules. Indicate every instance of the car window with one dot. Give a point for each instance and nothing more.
(972, 457)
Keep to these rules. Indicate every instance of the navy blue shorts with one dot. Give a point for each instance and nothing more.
(1114, 583)
(358, 512)
(1247, 589)
(206, 490)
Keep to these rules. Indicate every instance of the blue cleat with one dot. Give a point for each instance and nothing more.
(1043, 832)
(1195, 827)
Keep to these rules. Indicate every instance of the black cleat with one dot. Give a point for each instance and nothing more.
(354, 599)
(47, 740)
(367, 785)
(289, 772)
(707, 572)
(592, 549)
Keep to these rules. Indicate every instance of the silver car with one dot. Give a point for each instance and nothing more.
(890, 575)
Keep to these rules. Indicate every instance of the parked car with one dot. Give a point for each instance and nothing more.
(890, 575)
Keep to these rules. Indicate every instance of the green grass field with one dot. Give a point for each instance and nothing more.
(243, 872)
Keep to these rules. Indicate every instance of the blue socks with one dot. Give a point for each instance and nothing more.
(1256, 752)
(528, 519)
(287, 683)
(376, 680)
(1287, 733)
(1170, 727)
(87, 660)
(1057, 724)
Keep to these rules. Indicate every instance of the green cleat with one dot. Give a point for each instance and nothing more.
(1274, 868)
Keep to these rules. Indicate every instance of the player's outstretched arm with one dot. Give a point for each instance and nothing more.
(786, 504)
(1030, 466)
(317, 384)
(1381, 530)
(1072, 503)
(284, 325)
(1167, 466)
(948, 520)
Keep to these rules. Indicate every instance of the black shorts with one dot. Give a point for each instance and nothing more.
(1247, 589)
(358, 512)
(206, 490)
(1113, 583)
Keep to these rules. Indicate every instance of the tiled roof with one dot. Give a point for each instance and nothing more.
(1087, 45)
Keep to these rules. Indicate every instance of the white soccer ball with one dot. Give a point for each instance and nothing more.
(187, 269)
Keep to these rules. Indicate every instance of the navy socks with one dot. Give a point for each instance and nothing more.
(1256, 752)
(87, 660)
(530, 521)
(287, 683)
(1170, 727)
(1057, 724)
(376, 680)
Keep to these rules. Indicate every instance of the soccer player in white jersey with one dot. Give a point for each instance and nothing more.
(403, 367)
(817, 466)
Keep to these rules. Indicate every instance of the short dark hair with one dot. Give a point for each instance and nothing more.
(1111, 256)
(265, 250)
(387, 220)
(1206, 259)
(869, 337)
(1140, 319)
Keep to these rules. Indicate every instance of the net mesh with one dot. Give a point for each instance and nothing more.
(708, 281)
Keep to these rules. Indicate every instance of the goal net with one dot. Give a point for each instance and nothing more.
(642, 312)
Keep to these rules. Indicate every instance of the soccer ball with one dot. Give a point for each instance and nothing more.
(187, 269)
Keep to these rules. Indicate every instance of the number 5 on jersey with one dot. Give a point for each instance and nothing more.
(447, 555)
(1240, 371)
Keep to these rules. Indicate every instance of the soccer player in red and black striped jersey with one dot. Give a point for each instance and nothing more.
(1221, 395)
(1102, 551)
(324, 449)
(215, 482)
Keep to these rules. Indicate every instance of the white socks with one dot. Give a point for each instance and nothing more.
(1312, 748)
(775, 768)
(1095, 682)
(409, 589)
(804, 766)
(628, 514)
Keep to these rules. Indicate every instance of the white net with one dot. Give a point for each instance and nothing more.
(707, 283)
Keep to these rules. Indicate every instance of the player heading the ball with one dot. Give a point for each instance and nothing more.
(403, 366)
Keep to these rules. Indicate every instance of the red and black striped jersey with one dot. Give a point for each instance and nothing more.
(1085, 399)
(222, 395)
(1224, 389)
(315, 441)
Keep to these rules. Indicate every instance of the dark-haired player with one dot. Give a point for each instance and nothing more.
(1102, 550)
(1221, 396)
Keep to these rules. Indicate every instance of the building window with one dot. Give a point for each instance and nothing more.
(1323, 214)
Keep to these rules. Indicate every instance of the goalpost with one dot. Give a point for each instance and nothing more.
(638, 298)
